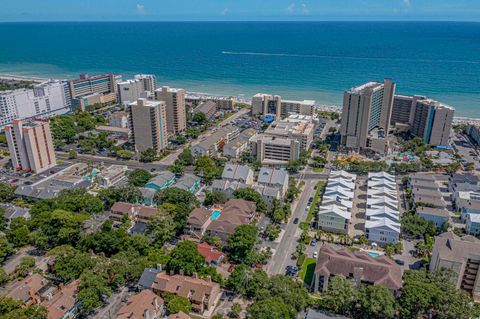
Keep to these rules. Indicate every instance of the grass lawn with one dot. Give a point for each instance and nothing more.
(317, 170)
(320, 186)
(308, 268)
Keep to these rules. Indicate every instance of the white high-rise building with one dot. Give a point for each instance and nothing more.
(46, 99)
(131, 90)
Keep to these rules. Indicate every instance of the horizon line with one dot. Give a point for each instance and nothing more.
(237, 21)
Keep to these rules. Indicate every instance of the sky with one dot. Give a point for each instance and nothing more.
(238, 10)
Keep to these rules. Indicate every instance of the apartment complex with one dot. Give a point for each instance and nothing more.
(131, 90)
(119, 119)
(45, 99)
(88, 90)
(358, 266)
(30, 144)
(175, 108)
(215, 142)
(383, 218)
(366, 116)
(305, 107)
(335, 212)
(462, 255)
(283, 140)
(148, 125)
(209, 108)
(263, 104)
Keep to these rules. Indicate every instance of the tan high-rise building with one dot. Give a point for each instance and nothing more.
(366, 114)
(263, 104)
(30, 144)
(175, 102)
(148, 125)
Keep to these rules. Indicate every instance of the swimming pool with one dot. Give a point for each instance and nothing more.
(373, 254)
(215, 214)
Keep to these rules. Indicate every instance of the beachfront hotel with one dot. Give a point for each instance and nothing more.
(263, 104)
(174, 99)
(131, 90)
(148, 124)
(46, 99)
(426, 118)
(88, 90)
(30, 145)
(366, 116)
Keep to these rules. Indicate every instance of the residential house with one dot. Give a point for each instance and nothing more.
(148, 277)
(11, 211)
(359, 266)
(237, 146)
(463, 182)
(203, 294)
(28, 290)
(198, 221)
(227, 187)
(237, 173)
(473, 224)
(63, 303)
(144, 305)
(189, 183)
(211, 254)
(275, 178)
(161, 181)
(209, 108)
(438, 216)
(334, 218)
(234, 213)
(462, 255)
(467, 203)
(134, 212)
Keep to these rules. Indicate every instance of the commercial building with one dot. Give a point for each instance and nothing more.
(283, 140)
(111, 175)
(305, 107)
(46, 99)
(263, 104)
(382, 216)
(203, 294)
(131, 90)
(88, 90)
(175, 108)
(148, 125)
(359, 266)
(403, 109)
(462, 255)
(30, 144)
(335, 212)
(366, 116)
(432, 122)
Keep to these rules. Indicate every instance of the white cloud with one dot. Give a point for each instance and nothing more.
(291, 8)
(140, 9)
(304, 9)
(224, 12)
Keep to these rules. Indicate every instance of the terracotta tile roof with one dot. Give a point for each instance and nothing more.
(180, 315)
(24, 289)
(192, 288)
(62, 301)
(380, 270)
(209, 252)
(137, 304)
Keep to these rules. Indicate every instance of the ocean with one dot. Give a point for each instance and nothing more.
(297, 60)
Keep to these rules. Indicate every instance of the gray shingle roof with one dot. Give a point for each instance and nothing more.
(272, 176)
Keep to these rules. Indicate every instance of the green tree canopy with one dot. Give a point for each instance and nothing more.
(241, 243)
(139, 177)
(185, 258)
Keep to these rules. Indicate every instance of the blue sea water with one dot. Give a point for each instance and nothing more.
(298, 60)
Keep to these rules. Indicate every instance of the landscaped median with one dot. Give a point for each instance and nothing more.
(320, 187)
(307, 270)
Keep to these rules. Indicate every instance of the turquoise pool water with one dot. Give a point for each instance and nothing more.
(216, 214)
(371, 253)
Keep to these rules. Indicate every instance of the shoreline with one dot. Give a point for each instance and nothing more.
(321, 107)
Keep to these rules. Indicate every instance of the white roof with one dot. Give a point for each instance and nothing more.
(381, 183)
(382, 201)
(342, 183)
(335, 209)
(383, 224)
(334, 174)
(383, 175)
(339, 191)
(382, 191)
(383, 212)
(474, 218)
(328, 200)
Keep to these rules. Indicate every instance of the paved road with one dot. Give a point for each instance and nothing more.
(288, 244)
